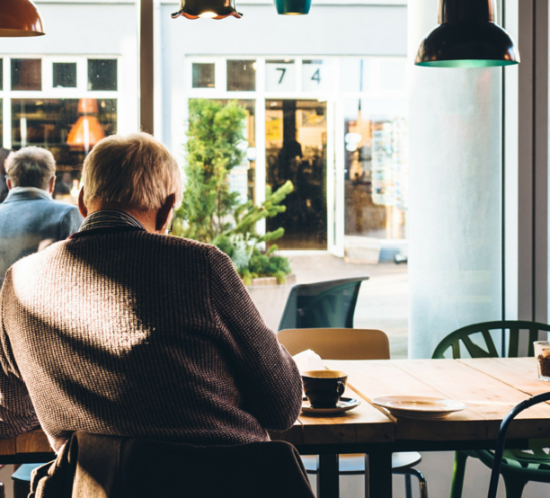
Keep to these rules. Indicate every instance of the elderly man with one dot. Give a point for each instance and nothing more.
(30, 219)
(122, 330)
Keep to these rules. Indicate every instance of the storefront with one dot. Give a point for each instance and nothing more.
(336, 127)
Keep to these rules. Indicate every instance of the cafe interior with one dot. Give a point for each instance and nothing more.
(417, 132)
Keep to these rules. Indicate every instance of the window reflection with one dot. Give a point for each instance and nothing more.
(296, 145)
(376, 168)
(102, 74)
(26, 74)
(204, 75)
(241, 76)
(49, 123)
(64, 75)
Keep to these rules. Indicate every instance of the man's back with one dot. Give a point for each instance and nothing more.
(30, 221)
(139, 335)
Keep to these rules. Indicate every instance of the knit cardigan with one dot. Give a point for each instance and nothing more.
(134, 334)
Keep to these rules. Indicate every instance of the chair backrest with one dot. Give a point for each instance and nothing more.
(483, 346)
(501, 438)
(322, 304)
(338, 344)
(92, 465)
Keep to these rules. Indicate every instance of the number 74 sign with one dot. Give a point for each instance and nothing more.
(281, 77)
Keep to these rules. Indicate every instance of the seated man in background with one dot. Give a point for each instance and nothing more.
(125, 331)
(30, 219)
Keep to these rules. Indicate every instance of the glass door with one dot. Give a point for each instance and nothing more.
(296, 150)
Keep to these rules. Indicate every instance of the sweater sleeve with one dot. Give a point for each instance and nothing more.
(17, 413)
(266, 373)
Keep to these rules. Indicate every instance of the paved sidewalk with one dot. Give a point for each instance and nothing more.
(383, 300)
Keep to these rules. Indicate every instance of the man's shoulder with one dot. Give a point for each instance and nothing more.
(51, 205)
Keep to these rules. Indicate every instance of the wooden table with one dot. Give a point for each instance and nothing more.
(489, 387)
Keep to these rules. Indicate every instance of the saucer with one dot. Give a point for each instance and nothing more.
(419, 407)
(344, 405)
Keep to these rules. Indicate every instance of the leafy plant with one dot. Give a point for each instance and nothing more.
(210, 212)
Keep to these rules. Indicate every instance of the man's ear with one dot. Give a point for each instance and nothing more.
(81, 206)
(9, 184)
(163, 213)
(51, 186)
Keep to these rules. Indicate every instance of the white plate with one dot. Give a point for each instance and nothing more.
(344, 405)
(426, 407)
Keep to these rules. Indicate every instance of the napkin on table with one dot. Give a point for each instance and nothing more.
(308, 360)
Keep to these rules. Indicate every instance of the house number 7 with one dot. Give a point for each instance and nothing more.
(283, 71)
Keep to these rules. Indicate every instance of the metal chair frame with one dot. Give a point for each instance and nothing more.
(501, 438)
(515, 476)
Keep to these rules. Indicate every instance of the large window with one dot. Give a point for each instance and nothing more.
(64, 105)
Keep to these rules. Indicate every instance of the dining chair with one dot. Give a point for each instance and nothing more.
(122, 467)
(478, 341)
(322, 304)
(352, 344)
(499, 459)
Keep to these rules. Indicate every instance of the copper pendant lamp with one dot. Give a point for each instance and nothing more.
(20, 18)
(467, 36)
(207, 9)
(87, 131)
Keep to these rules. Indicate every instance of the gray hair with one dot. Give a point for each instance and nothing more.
(31, 167)
(135, 170)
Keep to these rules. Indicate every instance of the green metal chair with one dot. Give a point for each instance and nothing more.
(518, 466)
(329, 304)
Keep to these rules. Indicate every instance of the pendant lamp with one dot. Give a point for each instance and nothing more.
(208, 9)
(467, 36)
(87, 131)
(20, 18)
(292, 7)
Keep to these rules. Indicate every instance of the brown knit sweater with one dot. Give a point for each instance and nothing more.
(135, 334)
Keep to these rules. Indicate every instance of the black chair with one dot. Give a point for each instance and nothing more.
(119, 467)
(329, 304)
(501, 438)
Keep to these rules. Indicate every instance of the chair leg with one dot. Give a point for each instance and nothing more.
(408, 486)
(459, 469)
(423, 485)
(514, 486)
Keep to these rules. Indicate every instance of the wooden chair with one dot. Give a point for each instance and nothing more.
(322, 304)
(352, 344)
(477, 341)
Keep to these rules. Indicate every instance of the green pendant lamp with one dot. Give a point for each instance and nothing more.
(20, 18)
(292, 7)
(207, 9)
(467, 36)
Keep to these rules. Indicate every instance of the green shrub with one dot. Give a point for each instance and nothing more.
(210, 212)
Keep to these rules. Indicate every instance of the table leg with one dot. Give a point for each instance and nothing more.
(378, 478)
(328, 485)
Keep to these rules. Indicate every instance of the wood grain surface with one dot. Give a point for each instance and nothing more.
(489, 387)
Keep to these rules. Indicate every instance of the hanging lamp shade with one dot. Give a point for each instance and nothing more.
(20, 18)
(467, 36)
(209, 9)
(85, 133)
(292, 7)
(87, 106)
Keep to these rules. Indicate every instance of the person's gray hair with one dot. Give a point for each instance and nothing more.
(134, 170)
(31, 167)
